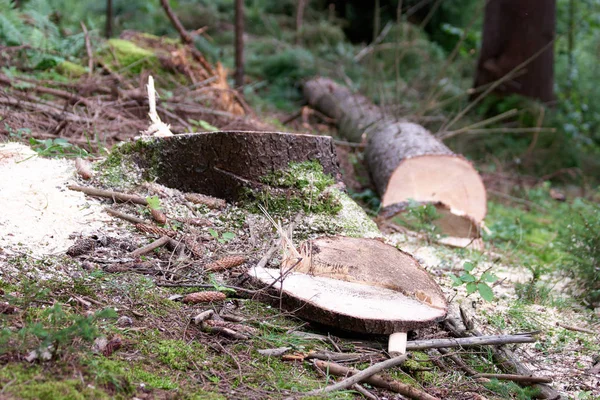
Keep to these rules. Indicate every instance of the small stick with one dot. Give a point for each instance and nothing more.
(360, 376)
(375, 380)
(458, 361)
(227, 332)
(203, 316)
(88, 47)
(124, 216)
(364, 392)
(469, 341)
(148, 248)
(515, 378)
(116, 196)
(576, 328)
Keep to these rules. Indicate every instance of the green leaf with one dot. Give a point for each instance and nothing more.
(488, 277)
(471, 287)
(485, 291)
(153, 202)
(204, 125)
(213, 233)
(468, 266)
(466, 277)
(227, 236)
(456, 281)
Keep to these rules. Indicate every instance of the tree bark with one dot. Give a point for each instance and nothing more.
(514, 31)
(405, 161)
(239, 43)
(108, 28)
(299, 20)
(223, 164)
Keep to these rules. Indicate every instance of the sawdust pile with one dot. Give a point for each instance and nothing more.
(39, 214)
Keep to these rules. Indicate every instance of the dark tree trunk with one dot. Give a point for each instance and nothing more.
(514, 32)
(239, 43)
(108, 29)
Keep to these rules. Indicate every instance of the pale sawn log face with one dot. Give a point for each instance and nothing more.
(360, 285)
(222, 163)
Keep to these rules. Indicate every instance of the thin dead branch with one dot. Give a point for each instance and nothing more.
(360, 376)
(375, 380)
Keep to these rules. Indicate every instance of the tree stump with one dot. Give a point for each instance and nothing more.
(223, 164)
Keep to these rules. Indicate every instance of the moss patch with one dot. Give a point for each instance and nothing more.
(300, 187)
(71, 70)
(125, 55)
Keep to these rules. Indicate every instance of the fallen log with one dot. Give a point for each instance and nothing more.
(405, 160)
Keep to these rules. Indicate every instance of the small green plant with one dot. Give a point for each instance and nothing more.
(203, 125)
(474, 283)
(153, 202)
(581, 240)
(222, 238)
(421, 218)
(218, 286)
(53, 330)
(56, 148)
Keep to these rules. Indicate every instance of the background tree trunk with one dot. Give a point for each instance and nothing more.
(513, 32)
(239, 43)
(108, 28)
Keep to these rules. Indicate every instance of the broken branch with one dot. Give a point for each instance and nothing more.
(472, 341)
(115, 196)
(148, 248)
(360, 376)
(375, 380)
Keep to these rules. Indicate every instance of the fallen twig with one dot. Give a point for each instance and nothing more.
(375, 380)
(576, 328)
(505, 360)
(148, 248)
(515, 378)
(115, 196)
(469, 341)
(203, 316)
(360, 376)
(126, 217)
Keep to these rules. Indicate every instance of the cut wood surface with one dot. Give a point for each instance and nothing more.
(360, 285)
(221, 164)
(404, 159)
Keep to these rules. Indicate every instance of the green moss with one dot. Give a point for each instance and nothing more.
(126, 55)
(27, 382)
(71, 70)
(177, 354)
(415, 367)
(300, 187)
(304, 175)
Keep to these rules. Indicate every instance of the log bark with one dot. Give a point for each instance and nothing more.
(405, 161)
(223, 164)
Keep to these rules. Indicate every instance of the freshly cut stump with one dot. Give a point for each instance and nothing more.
(222, 164)
(355, 284)
(404, 159)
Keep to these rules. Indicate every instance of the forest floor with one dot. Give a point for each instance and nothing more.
(99, 324)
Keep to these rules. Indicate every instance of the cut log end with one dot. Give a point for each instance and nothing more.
(448, 179)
